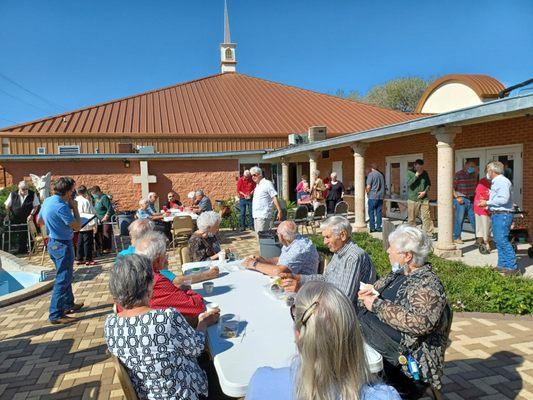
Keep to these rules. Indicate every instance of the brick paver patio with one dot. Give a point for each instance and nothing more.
(491, 357)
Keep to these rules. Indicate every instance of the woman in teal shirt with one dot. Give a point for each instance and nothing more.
(331, 361)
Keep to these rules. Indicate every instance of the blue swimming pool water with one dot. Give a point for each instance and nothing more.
(11, 281)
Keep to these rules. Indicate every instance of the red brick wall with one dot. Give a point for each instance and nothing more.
(216, 177)
(497, 133)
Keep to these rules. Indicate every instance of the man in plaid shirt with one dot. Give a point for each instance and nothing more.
(464, 186)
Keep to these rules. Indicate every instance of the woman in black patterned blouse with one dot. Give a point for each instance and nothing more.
(405, 315)
(203, 244)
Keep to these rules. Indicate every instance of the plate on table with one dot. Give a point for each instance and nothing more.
(196, 270)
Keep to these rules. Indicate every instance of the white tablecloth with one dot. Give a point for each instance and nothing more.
(266, 334)
(170, 218)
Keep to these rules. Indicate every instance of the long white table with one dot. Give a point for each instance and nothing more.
(266, 334)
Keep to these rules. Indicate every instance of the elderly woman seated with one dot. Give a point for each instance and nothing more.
(158, 347)
(405, 315)
(331, 361)
(147, 212)
(203, 244)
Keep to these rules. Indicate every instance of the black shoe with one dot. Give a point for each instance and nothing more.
(372, 230)
(509, 272)
(379, 230)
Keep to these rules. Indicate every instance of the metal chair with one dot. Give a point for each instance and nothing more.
(301, 218)
(182, 228)
(318, 215)
(341, 209)
(10, 229)
(124, 379)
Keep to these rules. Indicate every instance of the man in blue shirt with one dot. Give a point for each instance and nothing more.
(203, 203)
(298, 255)
(500, 205)
(60, 216)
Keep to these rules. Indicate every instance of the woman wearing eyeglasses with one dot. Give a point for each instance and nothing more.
(331, 363)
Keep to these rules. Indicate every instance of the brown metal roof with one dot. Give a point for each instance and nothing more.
(486, 87)
(227, 104)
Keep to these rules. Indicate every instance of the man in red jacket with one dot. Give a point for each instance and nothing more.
(165, 294)
(245, 190)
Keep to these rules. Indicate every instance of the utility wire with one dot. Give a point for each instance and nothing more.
(8, 120)
(24, 101)
(55, 105)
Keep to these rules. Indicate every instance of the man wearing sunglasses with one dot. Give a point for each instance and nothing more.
(21, 206)
(349, 265)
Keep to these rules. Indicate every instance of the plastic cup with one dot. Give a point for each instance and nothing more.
(208, 287)
(222, 257)
(229, 326)
(212, 306)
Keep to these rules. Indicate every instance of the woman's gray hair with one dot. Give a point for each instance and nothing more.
(139, 228)
(496, 167)
(199, 192)
(152, 245)
(316, 173)
(144, 202)
(130, 280)
(333, 174)
(337, 224)
(330, 345)
(256, 170)
(409, 239)
(207, 219)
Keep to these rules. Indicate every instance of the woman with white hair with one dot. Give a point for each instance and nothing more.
(335, 193)
(331, 362)
(405, 315)
(203, 244)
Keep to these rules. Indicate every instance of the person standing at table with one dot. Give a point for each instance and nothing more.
(335, 193)
(330, 361)
(264, 197)
(104, 212)
(349, 265)
(500, 205)
(61, 218)
(375, 188)
(21, 206)
(418, 185)
(245, 190)
(86, 234)
(464, 190)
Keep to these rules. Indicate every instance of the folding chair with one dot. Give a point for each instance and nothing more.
(182, 228)
(318, 216)
(341, 209)
(124, 379)
(301, 218)
(36, 239)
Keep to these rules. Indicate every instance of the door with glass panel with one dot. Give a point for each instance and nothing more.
(396, 184)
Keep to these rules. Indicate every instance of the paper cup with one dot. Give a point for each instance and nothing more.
(208, 287)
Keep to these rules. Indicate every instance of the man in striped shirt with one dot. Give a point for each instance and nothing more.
(464, 190)
(349, 265)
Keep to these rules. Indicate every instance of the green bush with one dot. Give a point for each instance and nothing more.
(4, 193)
(467, 288)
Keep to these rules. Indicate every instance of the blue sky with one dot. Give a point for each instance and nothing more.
(77, 53)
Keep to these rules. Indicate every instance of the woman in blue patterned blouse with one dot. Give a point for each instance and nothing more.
(158, 347)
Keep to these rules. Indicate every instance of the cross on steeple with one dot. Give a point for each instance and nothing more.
(228, 60)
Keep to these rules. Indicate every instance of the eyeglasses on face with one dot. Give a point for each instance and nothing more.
(306, 314)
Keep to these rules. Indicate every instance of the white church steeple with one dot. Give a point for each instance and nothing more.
(228, 61)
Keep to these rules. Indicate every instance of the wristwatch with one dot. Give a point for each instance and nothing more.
(254, 263)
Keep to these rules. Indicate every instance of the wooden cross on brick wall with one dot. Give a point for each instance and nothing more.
(144, 179)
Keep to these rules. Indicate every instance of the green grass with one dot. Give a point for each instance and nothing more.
(467, 288)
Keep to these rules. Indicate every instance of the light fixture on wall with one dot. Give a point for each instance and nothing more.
(126, 163)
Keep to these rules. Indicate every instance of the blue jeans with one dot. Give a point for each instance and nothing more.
(375, 208)
(62, 254)
(246, 205)
(501, 225)
(460, 211)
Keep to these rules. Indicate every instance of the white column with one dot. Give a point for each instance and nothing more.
(312, 167)
(445, 170)
(285, 180)
(359, 185)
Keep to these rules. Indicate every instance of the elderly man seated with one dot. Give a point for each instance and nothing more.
(349, 265)
(145, 211)
(298, 254)
(165, 293)
(141, 227)
(201, 202)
